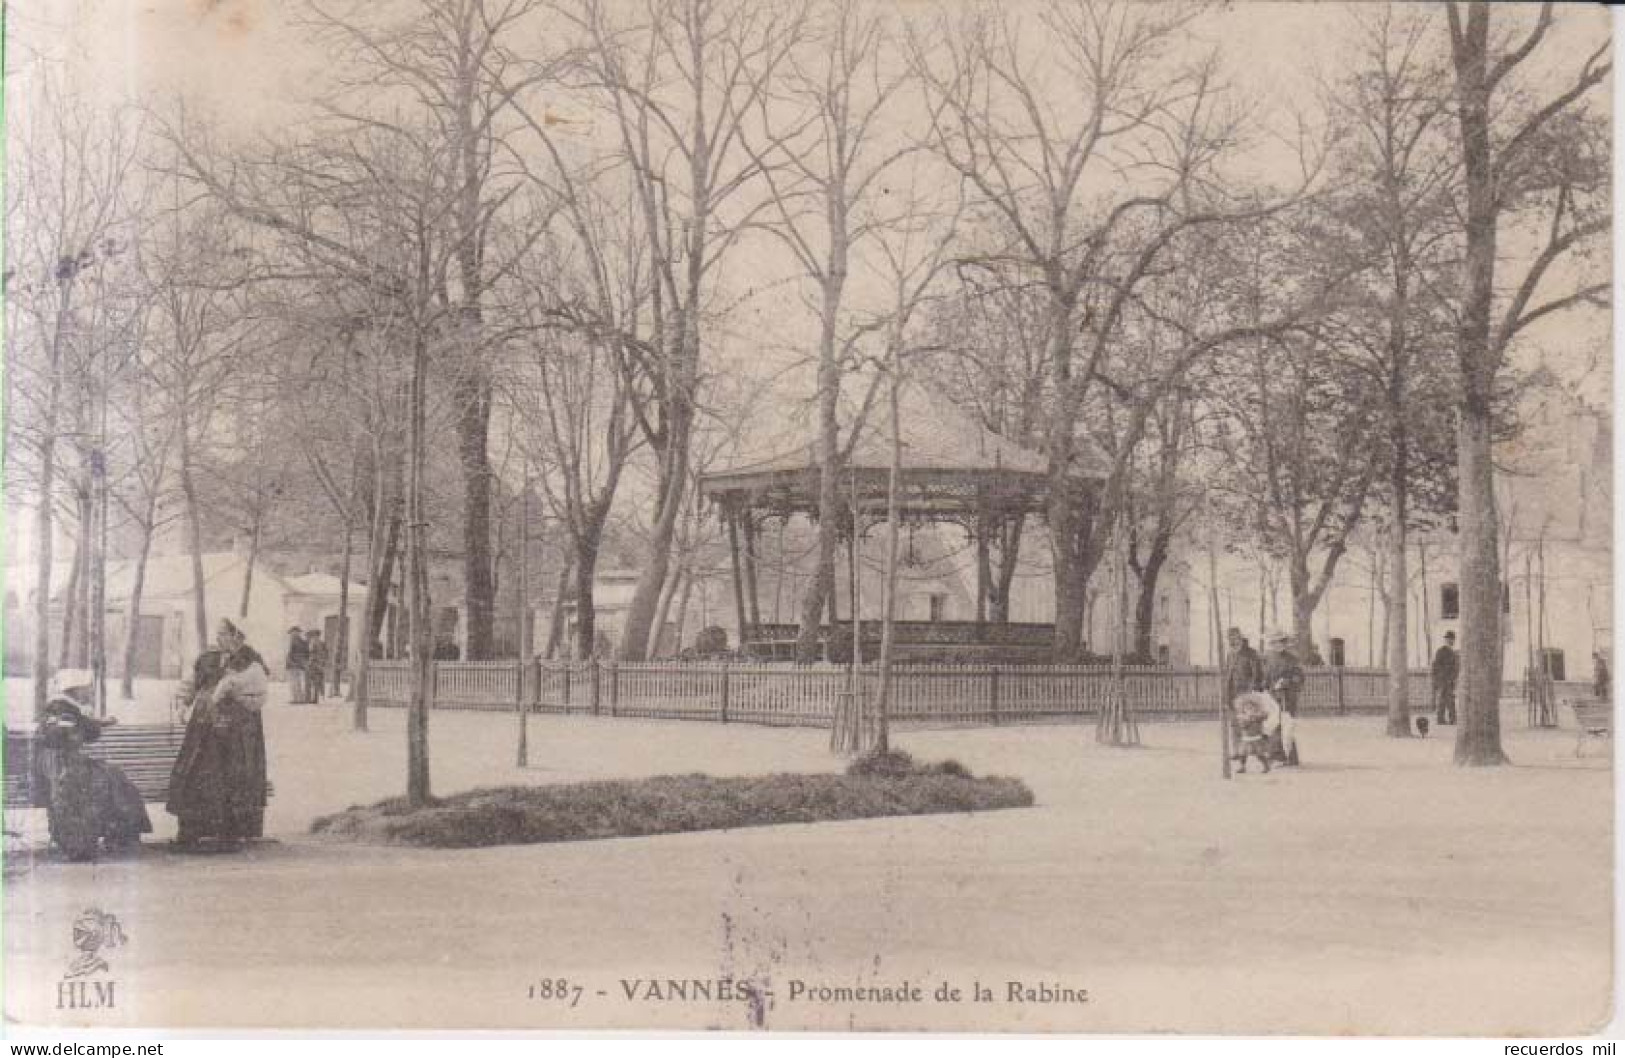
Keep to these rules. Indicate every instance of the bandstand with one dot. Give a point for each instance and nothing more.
(953, 471)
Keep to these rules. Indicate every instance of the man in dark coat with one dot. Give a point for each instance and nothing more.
(1243, 672)
(1446, 667)
(1283, 678)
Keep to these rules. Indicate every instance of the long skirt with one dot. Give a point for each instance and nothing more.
(217, 789)
(92, 801)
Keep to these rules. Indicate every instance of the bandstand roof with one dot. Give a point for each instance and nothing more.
(951, 464)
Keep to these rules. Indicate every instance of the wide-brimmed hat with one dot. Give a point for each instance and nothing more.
(64, 711)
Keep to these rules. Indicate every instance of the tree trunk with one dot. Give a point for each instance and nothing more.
(194, 535)
(1478, 736)
(1399, 707)
(1145, 605)
(586, 569)
(1010, 532)
(682, 611)
(888, 610)
(662, 641)
(1303, 631)
(561, 594)
(377, 594)
(72, 594)
(473, 396)
(379, 590)
(341, 644)
(829, 466)
(43, 514)
(248, 568)
(422, 664)
(41, 661)
(674, 474)
(138, 584)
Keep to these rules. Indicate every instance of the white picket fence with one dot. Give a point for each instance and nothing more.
(807, 695)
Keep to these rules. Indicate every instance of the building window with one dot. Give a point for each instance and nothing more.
(1551, 663)
(1337, 650)
(1449, 602)
(938, 604)
(1506, 597)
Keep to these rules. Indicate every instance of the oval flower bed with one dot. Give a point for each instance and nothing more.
(670, 804)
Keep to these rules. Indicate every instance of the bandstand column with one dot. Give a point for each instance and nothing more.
(981, 569)
(753, 600)
(732, 518)
(852, 580)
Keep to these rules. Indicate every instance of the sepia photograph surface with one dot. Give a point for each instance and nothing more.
(1058, 516)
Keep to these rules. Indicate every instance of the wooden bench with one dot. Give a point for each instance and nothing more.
(144, 752)
(1594, 718)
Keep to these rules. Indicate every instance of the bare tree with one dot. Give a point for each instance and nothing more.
(1042, 136)
(199, 334)
(145, 492)
(990, 361)
(456, 62)
(572, 401)
(678, 80)
(822, 158)
(1398, 212)
(68, 180)
(1533, 162)
(915, 252)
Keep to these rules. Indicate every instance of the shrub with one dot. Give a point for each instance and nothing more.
(893, 764)
(711, 640)
(671, 804)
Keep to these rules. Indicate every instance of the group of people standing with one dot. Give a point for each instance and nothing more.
(1263, 694)
(217, 788)
(306, 666)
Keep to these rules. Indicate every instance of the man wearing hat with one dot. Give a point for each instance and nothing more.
(1283, 678)
(1446, 666)
(1243, 672)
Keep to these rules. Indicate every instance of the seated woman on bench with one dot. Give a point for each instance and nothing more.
(88, 802)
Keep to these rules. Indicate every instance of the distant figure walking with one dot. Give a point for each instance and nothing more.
(1446, 667)
(294, 663)
(1601, 680)
(315, 666)
(1283, 678)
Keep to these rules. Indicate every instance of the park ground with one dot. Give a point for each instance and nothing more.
(1378, 889)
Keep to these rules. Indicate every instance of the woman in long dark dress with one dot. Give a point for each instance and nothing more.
(89, 802)
(217, 790)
